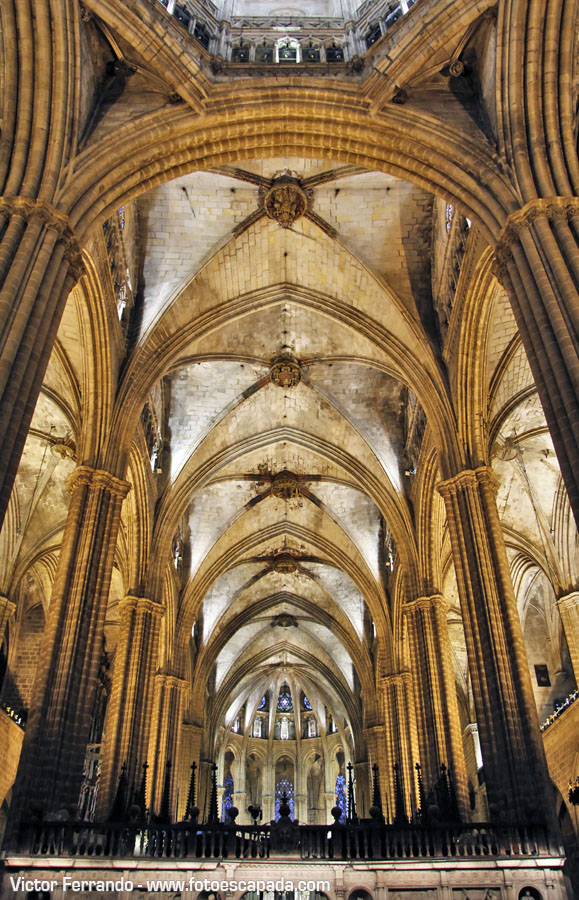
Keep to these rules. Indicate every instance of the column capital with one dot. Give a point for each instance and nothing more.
(376, 729)
(569, 601)
(396, 679)
(546, 207)
(563, 208)
(166, 680)
(53, 219)
(141, 604)
(98, 478)
(7, 606)
(431, 601)
(468, 478)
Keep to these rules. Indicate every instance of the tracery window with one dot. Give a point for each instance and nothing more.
(284, 701)
(262, 702)
(341, 795)
(284, 784)
(449, 213)
(307, 704)
(227, 800)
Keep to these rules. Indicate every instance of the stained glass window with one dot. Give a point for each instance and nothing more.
(449, 213)
(284, 784)
(227, 800)
(307, 704)
(122, 216)
(341, 795)
(284, 701)
(262, 702)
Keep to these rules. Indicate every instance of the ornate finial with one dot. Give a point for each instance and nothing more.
(213, 817)
(400, 817)
(421, 812)
(165, 812)
(119, 808)
(352, 817)
(192, 811)
(376, 809)
(376, 792)
(141, 793)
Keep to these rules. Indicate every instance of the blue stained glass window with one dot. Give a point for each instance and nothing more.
(341, 795)
(307, 704)
(284, 784)
(284, 701)
(448, 216)
(262, 702)
(227, 800)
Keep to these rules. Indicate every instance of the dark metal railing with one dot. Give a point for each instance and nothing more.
(364, 841)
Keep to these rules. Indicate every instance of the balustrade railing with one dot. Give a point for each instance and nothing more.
(365, 841)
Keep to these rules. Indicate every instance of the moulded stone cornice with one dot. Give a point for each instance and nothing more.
(98, 478)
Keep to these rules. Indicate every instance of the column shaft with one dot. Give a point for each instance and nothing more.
(7, 608)
(129, 710)
(51, 766)
(537, 255)
(514, 760)
(569, 610)
(164, 736)
(439, 731)
(401, 740)
(39, 265)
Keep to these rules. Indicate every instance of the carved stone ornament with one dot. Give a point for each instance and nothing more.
(284, 620)
(284, 563)
(285, 372)
(62, 450)
(285, 486)
(285, 201)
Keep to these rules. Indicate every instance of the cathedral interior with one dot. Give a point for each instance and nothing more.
(289, 569)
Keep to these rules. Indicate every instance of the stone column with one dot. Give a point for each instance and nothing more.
(363, 788)
(514, 760)
(537, 263)
(164, 736)
(439, 731)
(401, 740)
(51, 765)
(569, 611)
(7, 608)
(129, 709)
(40, 262)
(191, 739)
(375, 737)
